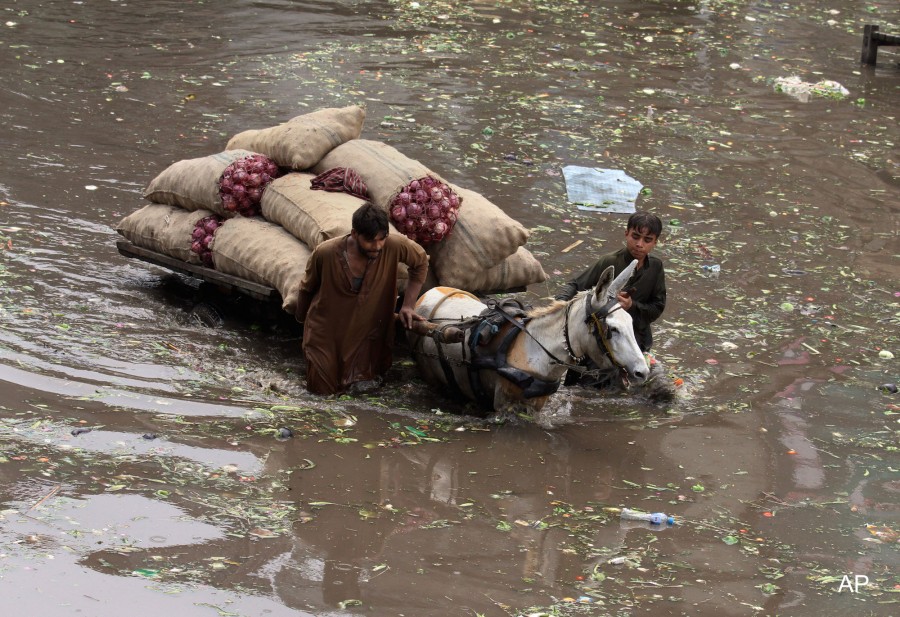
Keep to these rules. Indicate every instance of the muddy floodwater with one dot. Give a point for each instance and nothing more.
(141, 468)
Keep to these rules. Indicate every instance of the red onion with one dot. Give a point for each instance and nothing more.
(425, 210)
(413, 210)
(398, 214)
(243, 182)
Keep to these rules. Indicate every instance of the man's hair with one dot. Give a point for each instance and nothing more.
(644, 220)
(370, 221)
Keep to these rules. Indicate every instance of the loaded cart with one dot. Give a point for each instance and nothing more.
(247, 219)
(219, 279)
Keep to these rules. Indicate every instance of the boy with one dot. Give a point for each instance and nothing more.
(644, 296)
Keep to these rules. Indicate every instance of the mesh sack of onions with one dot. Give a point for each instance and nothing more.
(243, 182)
(425, 210)
(202, 238)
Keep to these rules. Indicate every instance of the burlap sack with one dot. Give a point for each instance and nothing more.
(301, 142)
(483, 237)
(262, 252)
(193, 184)
(164, 229)
(518, 270)
(310, 216)
(383, 168)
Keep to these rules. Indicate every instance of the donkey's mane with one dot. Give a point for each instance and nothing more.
(553, 307)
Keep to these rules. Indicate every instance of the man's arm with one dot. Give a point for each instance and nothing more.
(416, 260)
(309, 285)
(408, 312)
(303, 305)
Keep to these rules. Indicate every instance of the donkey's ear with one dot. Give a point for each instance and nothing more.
(619, 283)
(603, 283)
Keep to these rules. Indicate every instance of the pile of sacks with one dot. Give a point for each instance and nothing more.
(265, 231)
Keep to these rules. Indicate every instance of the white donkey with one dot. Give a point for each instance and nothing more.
(515, 361)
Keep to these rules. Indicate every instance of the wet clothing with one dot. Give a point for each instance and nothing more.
(348, 333)
(647, 289)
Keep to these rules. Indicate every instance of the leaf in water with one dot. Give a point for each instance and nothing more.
(259, 532)
(115, 487)
(730, 540)
(146, 573)
(416, 431)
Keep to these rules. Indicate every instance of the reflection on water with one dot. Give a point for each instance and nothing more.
(778, 457)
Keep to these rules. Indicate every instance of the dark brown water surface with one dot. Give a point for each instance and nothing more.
(779, 456)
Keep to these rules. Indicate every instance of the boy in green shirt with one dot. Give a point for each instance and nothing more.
(644, 295)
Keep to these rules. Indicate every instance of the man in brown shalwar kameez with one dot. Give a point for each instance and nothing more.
(347, 301)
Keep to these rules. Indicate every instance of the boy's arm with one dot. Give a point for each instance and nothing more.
(586, 280)
(656, 303)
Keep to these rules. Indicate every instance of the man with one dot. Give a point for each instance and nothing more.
(347, 300)
(644, 296)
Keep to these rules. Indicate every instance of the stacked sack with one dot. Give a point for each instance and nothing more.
(251, 210)
(483, 250)
(230, 186)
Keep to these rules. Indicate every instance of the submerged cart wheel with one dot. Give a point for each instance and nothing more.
(207, 315)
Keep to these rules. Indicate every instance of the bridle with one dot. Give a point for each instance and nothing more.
(596, 322)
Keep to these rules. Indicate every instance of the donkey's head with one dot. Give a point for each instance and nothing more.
(611, 327)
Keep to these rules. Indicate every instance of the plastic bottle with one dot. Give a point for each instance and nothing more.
(656, 518)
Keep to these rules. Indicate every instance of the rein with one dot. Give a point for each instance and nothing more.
(524, 328)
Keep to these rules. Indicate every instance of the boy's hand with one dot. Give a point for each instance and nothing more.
(624, 299)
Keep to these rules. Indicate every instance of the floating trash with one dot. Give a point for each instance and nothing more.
(601, 190)
(802, 90)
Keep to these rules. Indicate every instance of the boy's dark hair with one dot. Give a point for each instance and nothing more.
(370, 221)
(644, 220)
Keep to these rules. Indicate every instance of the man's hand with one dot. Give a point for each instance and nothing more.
(408, 316)
(624, 299)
